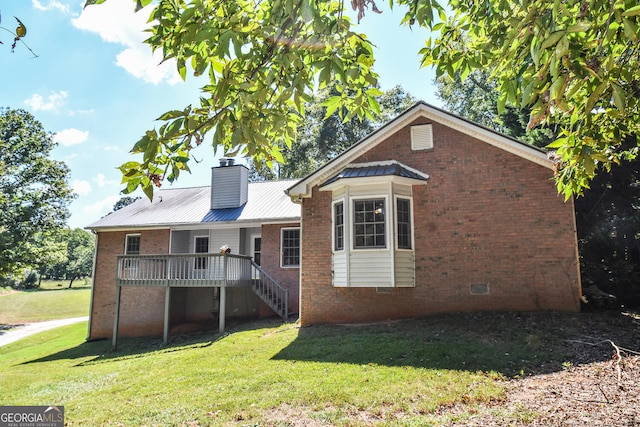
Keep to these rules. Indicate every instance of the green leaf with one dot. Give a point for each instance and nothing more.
(92, 2)
(579, 27)
(595, 97)
(173, 114)
(619, 98)
(21, 31)
(332, 105)
(630, 29)
(633, 11)
(552, 39)
(148, 190)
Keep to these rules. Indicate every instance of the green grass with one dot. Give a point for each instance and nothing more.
(49, 303)
(267, 374)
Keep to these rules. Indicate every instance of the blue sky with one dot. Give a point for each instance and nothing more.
(98, 87)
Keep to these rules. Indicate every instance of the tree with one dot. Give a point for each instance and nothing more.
(34, 194)
(320, 137)
(607, 219)
(124, 202)
(574, 63)
(476, 99)
(79, 247)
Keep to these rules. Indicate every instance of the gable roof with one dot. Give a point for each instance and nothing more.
(174, 207)
(421, 109)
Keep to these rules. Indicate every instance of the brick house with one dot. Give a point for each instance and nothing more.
(160, 264)
(430, 213)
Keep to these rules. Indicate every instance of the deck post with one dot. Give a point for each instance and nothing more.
(167, 305)
(116, 319)
(223, 296)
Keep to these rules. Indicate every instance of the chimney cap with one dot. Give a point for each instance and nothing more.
(225, 161)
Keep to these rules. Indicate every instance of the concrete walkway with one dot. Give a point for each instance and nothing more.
(14, 334)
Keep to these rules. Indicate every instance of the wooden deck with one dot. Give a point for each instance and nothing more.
(197, 270)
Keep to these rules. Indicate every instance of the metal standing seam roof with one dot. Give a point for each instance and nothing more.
(266, 201)
(373, 170)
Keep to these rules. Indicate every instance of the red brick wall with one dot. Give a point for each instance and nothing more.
(485, 217)
(141, 308)
(270, 261)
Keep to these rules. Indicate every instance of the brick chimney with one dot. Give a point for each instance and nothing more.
(229, 185)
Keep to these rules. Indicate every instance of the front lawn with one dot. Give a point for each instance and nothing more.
(45, 304)
(271, 374)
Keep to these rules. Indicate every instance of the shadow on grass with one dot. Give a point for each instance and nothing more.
(508, 343)
(133, 348)
(511, 344)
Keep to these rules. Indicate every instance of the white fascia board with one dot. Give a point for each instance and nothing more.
(131, 228)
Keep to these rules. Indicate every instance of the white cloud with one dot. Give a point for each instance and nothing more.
(54, 101)
(81, 187)
(140, 63)
(82, 112)
(103, 206)
(102, 181)
(68, 137)
(115, 22)
(50, 5)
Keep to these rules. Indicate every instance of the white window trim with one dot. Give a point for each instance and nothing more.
(252, 244)
(352, 228)
(412, 224)
(282, 247)
(345, 227)
(203, 236)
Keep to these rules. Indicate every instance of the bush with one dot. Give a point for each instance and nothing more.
(8, 282)
(31, 281)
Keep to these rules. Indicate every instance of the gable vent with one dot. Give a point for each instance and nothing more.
(421, 137)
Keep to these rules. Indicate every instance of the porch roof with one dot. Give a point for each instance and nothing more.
(267, 202)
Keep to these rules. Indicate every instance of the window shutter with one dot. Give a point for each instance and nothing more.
(421, 137)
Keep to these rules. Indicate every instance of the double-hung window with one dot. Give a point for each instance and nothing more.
(132, 244)
(131, 247)
(403, 223)
(338, 226)
(369, 227)
(290, 247)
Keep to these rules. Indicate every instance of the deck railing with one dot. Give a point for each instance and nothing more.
(202, 270)
(184, 270)
(270, 291)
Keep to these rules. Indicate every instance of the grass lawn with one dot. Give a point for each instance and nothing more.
(272, 374)
(48, 303)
